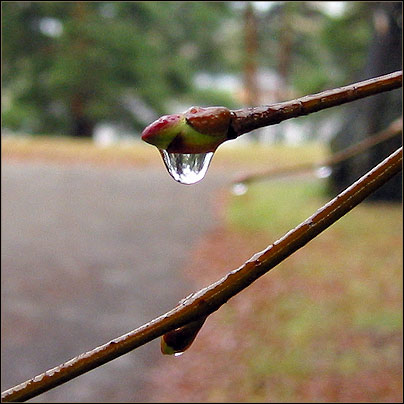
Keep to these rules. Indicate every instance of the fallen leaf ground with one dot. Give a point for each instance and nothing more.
(323, 326)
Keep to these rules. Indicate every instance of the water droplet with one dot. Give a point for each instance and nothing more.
(178, 353)
(186, 168)
(323, 172)
(239, 189)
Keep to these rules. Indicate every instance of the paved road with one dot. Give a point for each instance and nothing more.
(87, 255)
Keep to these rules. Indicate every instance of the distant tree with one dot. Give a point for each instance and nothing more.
(373, 114)
(311, 49)
(69, 65)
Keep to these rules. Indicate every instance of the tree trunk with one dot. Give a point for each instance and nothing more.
(250, 65)
(373, 114)
(82, 125)
(285, 49)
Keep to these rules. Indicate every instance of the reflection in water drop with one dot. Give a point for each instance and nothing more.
(178, 353)
(323, 172)
(186, 168)
(239, 189)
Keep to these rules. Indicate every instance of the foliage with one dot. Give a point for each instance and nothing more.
(94, 60)
(326, 50)
(70, 65)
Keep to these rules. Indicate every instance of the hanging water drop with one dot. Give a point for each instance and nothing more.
(239, 189)
(323, 172)
(177, 341)
(186, 168)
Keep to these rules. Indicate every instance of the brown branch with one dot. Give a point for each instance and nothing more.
(202, 130)
(247, 119)
(391, 131)
(211, 298)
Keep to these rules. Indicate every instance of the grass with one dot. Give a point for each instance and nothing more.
(232, 156)
(274, 206)
(67, 150)
(235, 155)
(341, 318)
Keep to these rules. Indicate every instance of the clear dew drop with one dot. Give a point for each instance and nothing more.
(323, 172)
(186, 168)
(239, 189)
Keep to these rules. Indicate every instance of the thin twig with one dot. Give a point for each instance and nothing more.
(211, 298)
(247, 119)
(202, 130)
(391, 131)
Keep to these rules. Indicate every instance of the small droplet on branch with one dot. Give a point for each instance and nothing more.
(323, 172)
(177, 341)
(239, 189)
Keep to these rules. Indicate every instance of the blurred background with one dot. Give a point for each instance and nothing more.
(86, 207)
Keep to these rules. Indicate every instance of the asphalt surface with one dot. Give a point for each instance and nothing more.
(88, 254)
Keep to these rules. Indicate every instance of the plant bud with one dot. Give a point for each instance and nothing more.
(162, 132)
(197, 130)
(209, 121)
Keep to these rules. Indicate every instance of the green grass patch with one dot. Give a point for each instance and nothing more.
(275, 206)
(329, 315)
(237, 155)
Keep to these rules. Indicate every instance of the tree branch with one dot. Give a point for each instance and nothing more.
(203, 130)
(391, 131)
(211, 298)
(247, 119)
